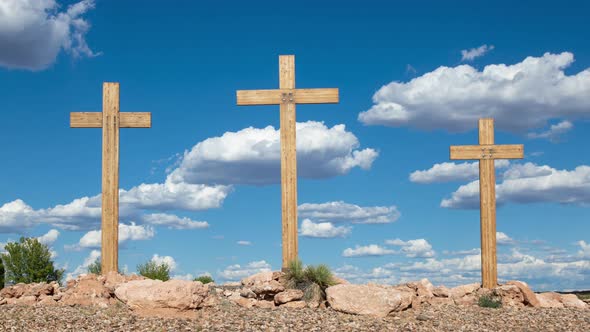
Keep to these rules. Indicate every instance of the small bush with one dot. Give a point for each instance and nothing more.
(320, 275)
(204, 279)
(487, 301)
(153, 270)
(95, 267)
(29, 261)
(312, 280)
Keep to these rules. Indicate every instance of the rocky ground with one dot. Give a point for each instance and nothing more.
(263, 302)
(230, 317)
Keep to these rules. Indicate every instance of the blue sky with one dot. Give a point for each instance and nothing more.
(379, 199)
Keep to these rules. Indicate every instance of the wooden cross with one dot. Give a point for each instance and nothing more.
(287, 96)
(486, 152)
(110, 120)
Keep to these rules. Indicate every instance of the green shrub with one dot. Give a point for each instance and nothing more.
(312, 280)
(95, 267)
(488, 301)
(320, 275)
(29, 261)
(153, 270)
(204, 279)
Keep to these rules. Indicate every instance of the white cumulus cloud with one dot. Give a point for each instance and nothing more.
(369, 250)
(448, 172)
(529, 183)
(252, 156)
(33, 32)
(131, 232)
(168, 260)
(339, 211)
(173, 221)
(520, 97)
(323, 230)
(413, 248)
(49, 238)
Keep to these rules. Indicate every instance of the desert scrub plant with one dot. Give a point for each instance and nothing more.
(205, 279)
(95, 267)
(488, 301)
(312, 280)
(153, 270)
(28, 261)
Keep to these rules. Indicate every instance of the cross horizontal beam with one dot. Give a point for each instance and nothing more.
(94, 120)
(487, 151)
(282, 96)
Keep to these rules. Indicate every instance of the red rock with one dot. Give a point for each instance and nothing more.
(549, 300)
(530, 298)
(155, 294)
(288, 296)
(373, 300)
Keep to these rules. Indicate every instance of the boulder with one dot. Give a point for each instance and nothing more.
(288, 296)
(441, 291)
(572, 301)
(423, 288)
(155, 294)
(549, 300)
(377, 301)
(294, 305)
(530, 298)
(510, 294)
(39, 289)
(113, 279)
(258, 278)
(26, 300)
(247, 293)
(13, 291)
(88, 290)
(267, 288)
(460, 291)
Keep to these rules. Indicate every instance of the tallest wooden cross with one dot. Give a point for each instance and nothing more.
(110, 120)
(287, 96)
(486, 152)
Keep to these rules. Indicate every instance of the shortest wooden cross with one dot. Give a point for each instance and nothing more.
(110, 120)
(486, 152)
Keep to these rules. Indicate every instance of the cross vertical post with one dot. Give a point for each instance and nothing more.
(486, 152)
(287, 96)
(110, 177)
(110, 120)
(288, 160)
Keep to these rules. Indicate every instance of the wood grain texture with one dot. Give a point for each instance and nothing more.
(86, 120)
(94, 120)
(487, 151)
(258, 97)
(487, 192)
(135, 120)
(287, 97)
(276, 97)
(110, 178)
(288, 162)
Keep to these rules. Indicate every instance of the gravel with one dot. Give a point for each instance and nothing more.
(230, 317)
